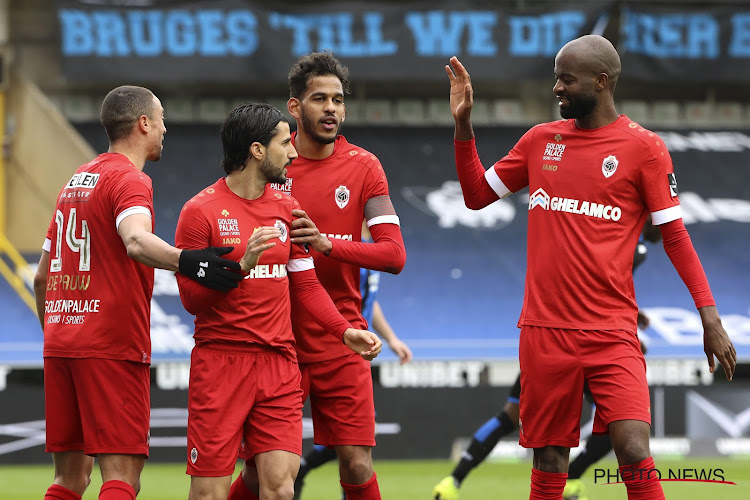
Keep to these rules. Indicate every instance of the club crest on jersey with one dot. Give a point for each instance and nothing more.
(281, 227)
(609, 166)
(193, 455)
(342, 196)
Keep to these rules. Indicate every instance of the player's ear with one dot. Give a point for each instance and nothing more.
(143, 124)
(343, 117)
(257, 151)
(293, 105)
(602, 80)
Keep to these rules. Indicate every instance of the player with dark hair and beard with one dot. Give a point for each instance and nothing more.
(339, 185)
(244, 381)
(578, 321)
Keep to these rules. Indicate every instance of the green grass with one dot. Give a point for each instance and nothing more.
(402, 480)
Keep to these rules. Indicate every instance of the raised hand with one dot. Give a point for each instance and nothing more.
(257, 244)
(462, 95)
(363, 342)
(304, 231)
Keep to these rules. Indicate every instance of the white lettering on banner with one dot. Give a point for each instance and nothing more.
(696, 209)
(678, 372)
(733, 446)
(4, 370)
(171, 376)
(431, 374)
(682, 327)
(727, 142)
(447, 203)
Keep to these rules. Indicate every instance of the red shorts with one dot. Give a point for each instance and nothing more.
(97, 405)
(240, 398)
(343, 408)
(554, 365)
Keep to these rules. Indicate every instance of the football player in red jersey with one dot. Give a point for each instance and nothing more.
(339, 185)
(578, 322)
(93, 295)
(244, 377)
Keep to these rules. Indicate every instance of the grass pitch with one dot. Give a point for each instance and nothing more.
(403, 480)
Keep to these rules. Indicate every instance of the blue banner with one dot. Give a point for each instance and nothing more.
(236, 41)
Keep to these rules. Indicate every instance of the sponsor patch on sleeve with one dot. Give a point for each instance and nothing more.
(672, 185)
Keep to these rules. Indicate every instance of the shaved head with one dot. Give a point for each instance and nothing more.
(594, 54)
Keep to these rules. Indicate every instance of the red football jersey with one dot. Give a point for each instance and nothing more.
(590, 194)
(98, 302)
(333, 191)
(258, 311)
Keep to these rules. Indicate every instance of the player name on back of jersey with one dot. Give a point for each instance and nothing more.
(83, 180)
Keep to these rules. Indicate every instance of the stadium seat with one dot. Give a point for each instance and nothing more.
(378, 111)
(439, 111)
(666, 113)
(281, 105)
(729, 114)
(354, 111)
(80, 108)
(699, 114)
(178, 110)
(635, 110)
(410, 112)
(212, 110)
(481, 112)
(509, 111)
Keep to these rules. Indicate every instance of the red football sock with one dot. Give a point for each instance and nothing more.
(116, 490)
(547, 485)
(641, 482)
(367, 491)
(57, 492)
(240, 491)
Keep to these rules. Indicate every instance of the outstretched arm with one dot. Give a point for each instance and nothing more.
(679, 248)
(316, 302)
(383, 328)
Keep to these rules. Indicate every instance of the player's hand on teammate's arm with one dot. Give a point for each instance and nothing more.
(363, 342)
(304, 231)
(716, 341)
(400, 349)
(257, 244)
(207, 267)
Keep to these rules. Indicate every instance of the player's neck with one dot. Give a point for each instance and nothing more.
(309, 148)
(599, 118)
(136, 157)
(248, 183)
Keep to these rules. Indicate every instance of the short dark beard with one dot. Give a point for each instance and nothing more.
(579, 107)
(309, 127)
(270, 173)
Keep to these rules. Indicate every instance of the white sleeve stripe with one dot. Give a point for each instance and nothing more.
(47, 246)
(667, 215)
(495, 183)
(131, 211)
(297, 265)
(384, 219)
